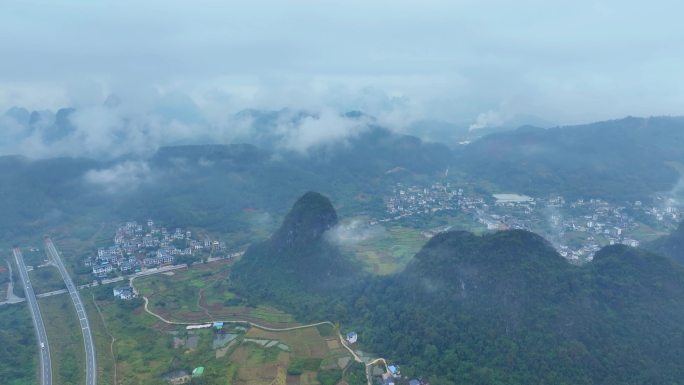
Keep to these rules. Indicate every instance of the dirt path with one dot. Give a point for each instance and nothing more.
(199, 304)
(111, 344)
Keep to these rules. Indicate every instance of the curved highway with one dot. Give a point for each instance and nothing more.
(43, 346)
(91, 365)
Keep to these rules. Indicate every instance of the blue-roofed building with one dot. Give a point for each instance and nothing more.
(352, 337)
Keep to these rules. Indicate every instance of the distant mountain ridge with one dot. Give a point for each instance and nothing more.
(201, 185)
(623, 159)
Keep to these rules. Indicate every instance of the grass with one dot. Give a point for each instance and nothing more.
(46, 279)
(202, 294)
(65, 338)
(18, 348)
(34, 258)
(18, 288)
(103, 341)
(326, 330)
(390, 252)
(257, 365)
(646, 233)
(4, 279)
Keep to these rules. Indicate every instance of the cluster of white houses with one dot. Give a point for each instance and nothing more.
(586, 224)
(138, 246)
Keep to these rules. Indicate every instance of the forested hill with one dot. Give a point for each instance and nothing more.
(505, 308)
(502, 308)
(629, 158)
(671, 245)
(297, 267)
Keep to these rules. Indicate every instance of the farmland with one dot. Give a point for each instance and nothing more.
(145, 348)
(389, 252)
(201, 294)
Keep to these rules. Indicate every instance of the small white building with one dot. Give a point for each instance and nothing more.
(124, 292)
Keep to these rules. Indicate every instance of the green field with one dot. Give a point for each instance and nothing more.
(65, 338)
(104, 345)
(202, 294)
(393, 248)
(33, 258)
(390, 252)
(46, 279)
(4, 279)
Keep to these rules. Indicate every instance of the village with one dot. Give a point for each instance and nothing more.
(577, 229)
(143, 246)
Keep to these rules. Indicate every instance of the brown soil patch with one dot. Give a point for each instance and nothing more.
(239, 356)
(292, 380)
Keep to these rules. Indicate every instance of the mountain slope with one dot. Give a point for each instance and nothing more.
(616, 160)
(671, 245)
(501, 308)
(204, 185)
(296, 267)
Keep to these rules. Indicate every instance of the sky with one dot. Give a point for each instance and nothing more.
(188, 67)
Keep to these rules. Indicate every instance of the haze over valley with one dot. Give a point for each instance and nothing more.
(341, 193)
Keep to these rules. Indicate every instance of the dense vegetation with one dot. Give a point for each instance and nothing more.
(621, 159)
(18, 349)
(502, 308)
(297, 266)
(671, 245)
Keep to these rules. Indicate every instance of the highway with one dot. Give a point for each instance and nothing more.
(91, 364)
(43, 346)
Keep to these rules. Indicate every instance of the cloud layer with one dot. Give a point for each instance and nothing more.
(120, 178)
(181, 70)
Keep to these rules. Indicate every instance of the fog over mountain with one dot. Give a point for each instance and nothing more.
(145, 78)
(109, 131)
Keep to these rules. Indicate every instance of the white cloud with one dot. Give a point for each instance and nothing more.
(325, 128)
(120, 178)
(353, 232)
(487, 119)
